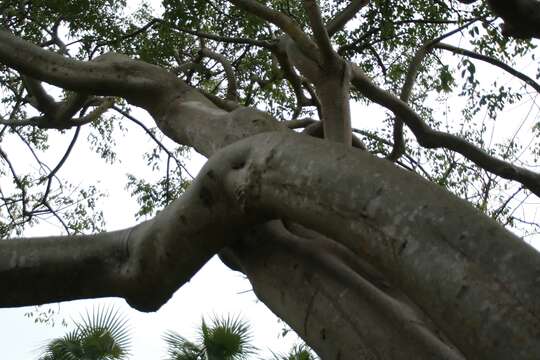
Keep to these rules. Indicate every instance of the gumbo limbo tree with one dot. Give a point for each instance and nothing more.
(382, 240)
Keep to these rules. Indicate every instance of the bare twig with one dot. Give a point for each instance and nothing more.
(490, 60)
(156, 140)
(223, 39)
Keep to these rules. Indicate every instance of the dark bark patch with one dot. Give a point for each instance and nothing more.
(206, 197)
(270, 157)
(323, 334)
(183, 219)
(211, 174)
(402, 247)
(237, 165)
(462, 291)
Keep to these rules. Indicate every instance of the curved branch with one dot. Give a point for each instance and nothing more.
(430, 138)
(282, 21)
(144, 264)
(58, 166)
(110, 74)
(42, 100)
(232, 91)
(490, 60)
(414, 66)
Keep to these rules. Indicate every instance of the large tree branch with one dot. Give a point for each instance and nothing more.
(110, 74)
(402, 225)
(430, 138)
(144, 264)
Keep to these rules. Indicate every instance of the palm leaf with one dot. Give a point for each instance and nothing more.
(227, 338)
(179, 348)
(100, 335)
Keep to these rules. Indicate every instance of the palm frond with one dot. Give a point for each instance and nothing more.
(298, 352)
(227, 338)
(179, 348)
(102, 334)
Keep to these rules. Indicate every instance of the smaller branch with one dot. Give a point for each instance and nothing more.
(71, 106)
(17, 180)
(34, 121)
(399, 142)
(44, 167)
(378, 59)
(292, 77)
(232, 90)
(42, 100)
(503, 206)
(299, 123)
(282, 21)
(347, 14)
(319, 30)
(226, 105)
(62, 122)
(223, 39)
(60, 220)
(100, 44)
(105, 105)
(355, 44)
(52, 174)
(55, 38)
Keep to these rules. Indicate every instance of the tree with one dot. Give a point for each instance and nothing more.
(298, 352)
(102, 335)
(355, 241)
(226, 338)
